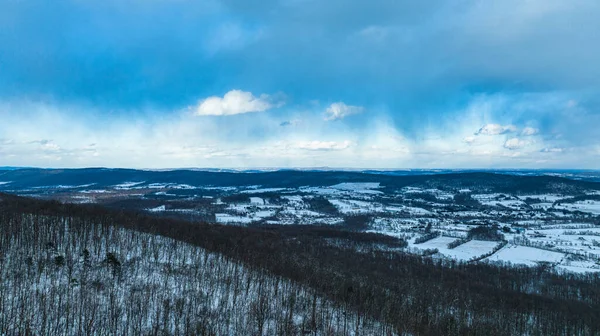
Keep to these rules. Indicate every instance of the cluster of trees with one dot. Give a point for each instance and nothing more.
(485, 232)
(465, 199)
(405, 294)
(427, 237)
(80, 275)
(321, 204)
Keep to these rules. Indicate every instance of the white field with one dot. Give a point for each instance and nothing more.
(355, 207)
(526, 255)
(411, 210)
(466, 251)
(159, 208)
(360, 187)
(257, 201)
(588, 206)
(228, 219)
(550, 198)
(127, 185)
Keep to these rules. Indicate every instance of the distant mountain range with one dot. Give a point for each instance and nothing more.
(500, 180)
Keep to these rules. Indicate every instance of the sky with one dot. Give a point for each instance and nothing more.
(300, 83)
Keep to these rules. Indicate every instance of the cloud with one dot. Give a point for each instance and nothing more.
(286, 123)
(495, 129)
(552, 150)
(469, 139)
(322, 145)
(337, 111)
(46, 145)
(235, 102)
(516, 143)
(171, 139)
(529, 131)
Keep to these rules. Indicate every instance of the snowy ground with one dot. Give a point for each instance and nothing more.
(551, 228)
(526, 255)
(464, 252)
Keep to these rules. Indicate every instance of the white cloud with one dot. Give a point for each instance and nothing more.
(235, 102)
(529, 131)
(340, 110)
(322, 145)
(516, 143)
(183, 140)
(469, 140)
(552, 150)
(496, 129)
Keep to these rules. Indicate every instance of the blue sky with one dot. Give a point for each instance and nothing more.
(300, 83)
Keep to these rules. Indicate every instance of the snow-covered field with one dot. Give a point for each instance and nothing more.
(538, 227)
(583, 206)
(526, 255)
(535, 232)
(464, 252)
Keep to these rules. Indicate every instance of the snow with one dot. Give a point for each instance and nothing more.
(464, 252)
(96, 191)
(353, 206)
(160, 208)
(300, 213)
(263, 214)
(439, 243)
(157, 185)
(293, 198)
(580, 267)
(227, 218)
(543, 206)
(263, 190)
(400, 213)
(544, 197)
(62, 186)
(257, 200)
(163, 193)
(83, 199)
(359, 187)
(322, 191)
(181, 186)
(127, 185)
(220, 188)
(475, 248)
(526, 255)
(139, 185)
(588, 206)
(411, 210)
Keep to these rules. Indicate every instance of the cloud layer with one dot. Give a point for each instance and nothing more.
(377, 83)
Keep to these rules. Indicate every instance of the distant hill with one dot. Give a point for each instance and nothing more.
(485, 181)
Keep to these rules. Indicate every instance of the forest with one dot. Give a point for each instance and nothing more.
(84, 269)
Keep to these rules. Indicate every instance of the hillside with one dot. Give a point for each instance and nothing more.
(135, 259)
(76, 275)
